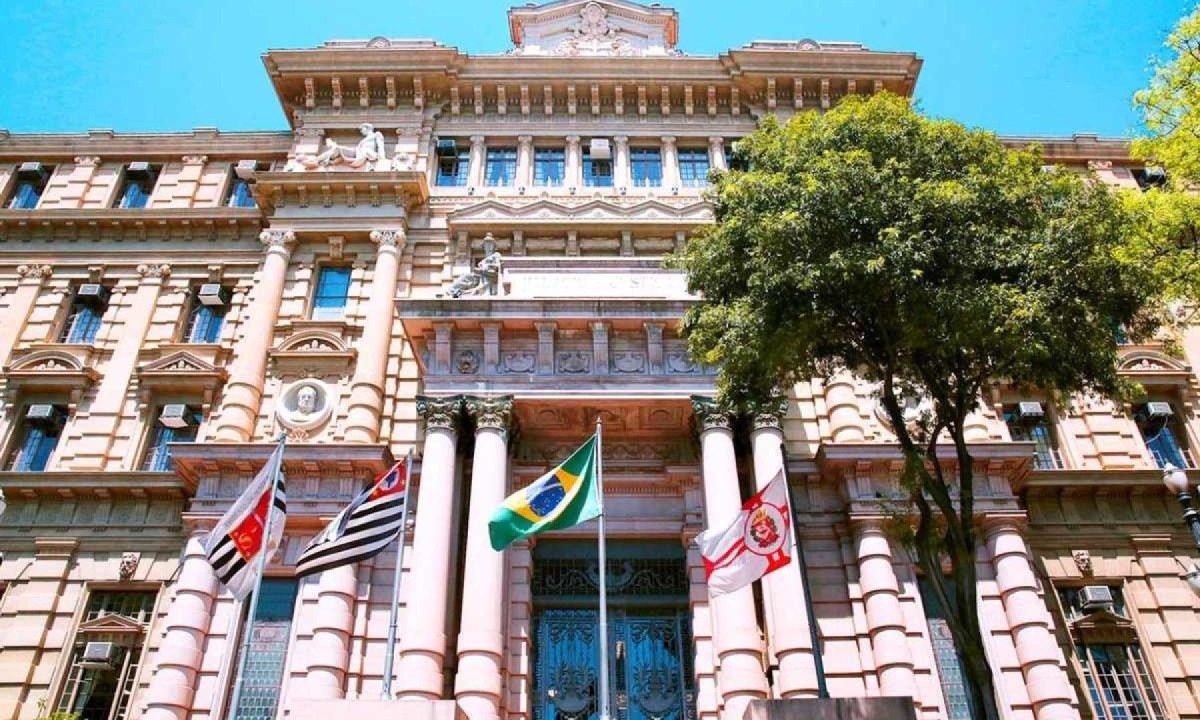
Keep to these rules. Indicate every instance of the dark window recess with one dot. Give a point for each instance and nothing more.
(241, 187)
(1149, 177)
(956, 684)
(40, 428)
(176, 423)
(1027, 423)
(1164, 435)
(137, 183)
(104, 665)
(85, 314)
(597, 172)
(268, 649)
(501, 167)
(453, 164)
(333, 288)
(549, 166)
(29, 185)
(206, 313)
(693, 167)
(645, 167)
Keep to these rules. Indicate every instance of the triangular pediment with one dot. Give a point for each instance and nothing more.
(179, 362)
(654, 212)
(111, 624)
(594, 28)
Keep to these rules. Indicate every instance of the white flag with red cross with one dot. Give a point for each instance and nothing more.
(757, 542)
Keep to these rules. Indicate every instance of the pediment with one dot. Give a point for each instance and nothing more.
(179, 362)
(111, 624)
(313, 350)
(47, 361)
(307, 341)
(594, 28)
(598, 211)
(62, 368)
(180, 371)
(1151, 365)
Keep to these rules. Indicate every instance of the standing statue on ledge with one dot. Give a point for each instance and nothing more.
(369, 154)
(485, 278)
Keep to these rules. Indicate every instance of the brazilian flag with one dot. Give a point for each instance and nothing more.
(563, 497)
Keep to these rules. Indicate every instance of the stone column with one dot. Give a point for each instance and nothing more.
(670, 163)
(478, 157)
(524, 161)
(574, 164)
(20, 305)
(621, 172)
(423, 637)
(841, 401)
(243, 391)
(370, 371)
(180, 657)
(478, 687)
(329, 653)
(885, 618)
(737, 642)
(1045, 679)
(716, 152)
(787, 623)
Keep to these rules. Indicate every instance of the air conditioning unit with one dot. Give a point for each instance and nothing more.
(94, 293)
(446, 147)
(245, 169)
(599, 149)
(175, 415)
(98, 655)
(32, 169)
(1030, 409)
(41, 413)
(1159, 410)
(213, 294)
(1095, 597)
(140, 167)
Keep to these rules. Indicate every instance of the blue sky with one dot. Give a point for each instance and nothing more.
(1027, 67)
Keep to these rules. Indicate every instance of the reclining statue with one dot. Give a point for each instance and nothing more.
(368, 154)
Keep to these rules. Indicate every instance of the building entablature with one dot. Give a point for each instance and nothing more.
(64, 485)
(211, 143)
(105, 224)
(370, 194)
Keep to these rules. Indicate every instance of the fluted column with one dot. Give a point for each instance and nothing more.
(574, 163)
(524, 161)
(178, 660)
(621, 172)
(478, 686)
(1045, 680)
(737, 642)
(670, 163)
(366, 390)
(243, 391)
(329, 652)
(423, 637)
(783, 590)
(477, 159)
(885, 618)
(716, 152)
(20, 305)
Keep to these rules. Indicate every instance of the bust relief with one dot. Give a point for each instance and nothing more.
(304, 405)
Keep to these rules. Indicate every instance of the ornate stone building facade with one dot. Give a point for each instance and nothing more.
(460, 255)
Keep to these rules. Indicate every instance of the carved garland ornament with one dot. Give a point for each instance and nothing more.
(439, 412)
(495, 413)
(39, 272)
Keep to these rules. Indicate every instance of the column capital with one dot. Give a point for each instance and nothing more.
(768, 414)
(87, 160)
(710, 415)
(525, 139)
(389, 238)
(621, 139)
(35, 272)
(716, 140)
(439, 412)
(275, 238)
(494, 413)
(573, 139)
(995, 523)
(668, 139)
(477, 140)
(154, 271)
(195, 159)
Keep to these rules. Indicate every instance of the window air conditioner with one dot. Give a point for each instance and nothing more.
(245, 169)
(1095, 597)
(94, 293)
(1030, 409)
(98, 655)
(599, 149)
(447, 147)
(1158, 410)
(32, 169)
(41, 413)
(213, 294)
(139, 167)
(175, 415)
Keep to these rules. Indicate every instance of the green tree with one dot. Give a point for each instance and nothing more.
(1171, 105)
(927, 258)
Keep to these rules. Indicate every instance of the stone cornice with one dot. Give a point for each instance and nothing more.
(115, 146)
(147, 223)
(194, 461)
(72, 484)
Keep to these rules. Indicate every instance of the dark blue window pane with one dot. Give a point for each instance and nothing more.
(1163, 438)
(83, 322)
(26, 196)
(645, 166)
(158, 455)
(549, 166)
(1037, 431)
(135, 195)
(597, 172)
(205, 322)
(37, 445)
(501, 167)
(452, 170)
(268, 650)
(333, 287)
(240, 194)
(693, 167)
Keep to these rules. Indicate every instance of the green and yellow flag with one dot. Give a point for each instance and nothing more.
(563, 497)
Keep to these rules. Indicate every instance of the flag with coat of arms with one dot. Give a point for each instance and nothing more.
(756, 543)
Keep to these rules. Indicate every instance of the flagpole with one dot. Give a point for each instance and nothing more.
(818, 662)
(603, 556)
(390, 657)
(262, 567)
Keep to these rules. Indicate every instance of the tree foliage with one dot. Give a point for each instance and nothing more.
(927, 258)
(1171, 104)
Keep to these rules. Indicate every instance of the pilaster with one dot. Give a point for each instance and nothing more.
(21, 303)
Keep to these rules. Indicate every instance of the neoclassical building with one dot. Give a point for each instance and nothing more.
(460, 255)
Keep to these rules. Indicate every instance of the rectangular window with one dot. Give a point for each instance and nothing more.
(645, 166)
(693, 167)
(39, 428)
(1026, 425)
(240, 194)
(268, 650)
(453, 164)
(104, 664)
(29, 185)
(172, 424)
(597, 172)
(206, 314)
(136, 185)
(1164, 435)
(955, 683)
(501, 168)
(549, 166)
(333, 288)
(85, 314)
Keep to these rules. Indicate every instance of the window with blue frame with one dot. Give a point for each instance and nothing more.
(179, 427)
(453, 168)
(85, 315)
(136, 185)
(693, 167)
(29, 185)
(501, 167)
(1164, 435)
(549, 166)
(240, 194)
(39, 438)
(204, 321)
(645, 166)
(333, 289)
(956, 685)
(1035, 429)
(597, 172)
(269, 637)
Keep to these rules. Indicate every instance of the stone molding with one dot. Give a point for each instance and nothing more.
(440, 412)
(490, 412)
(710, 415)
(35, 272)
(154, 271)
